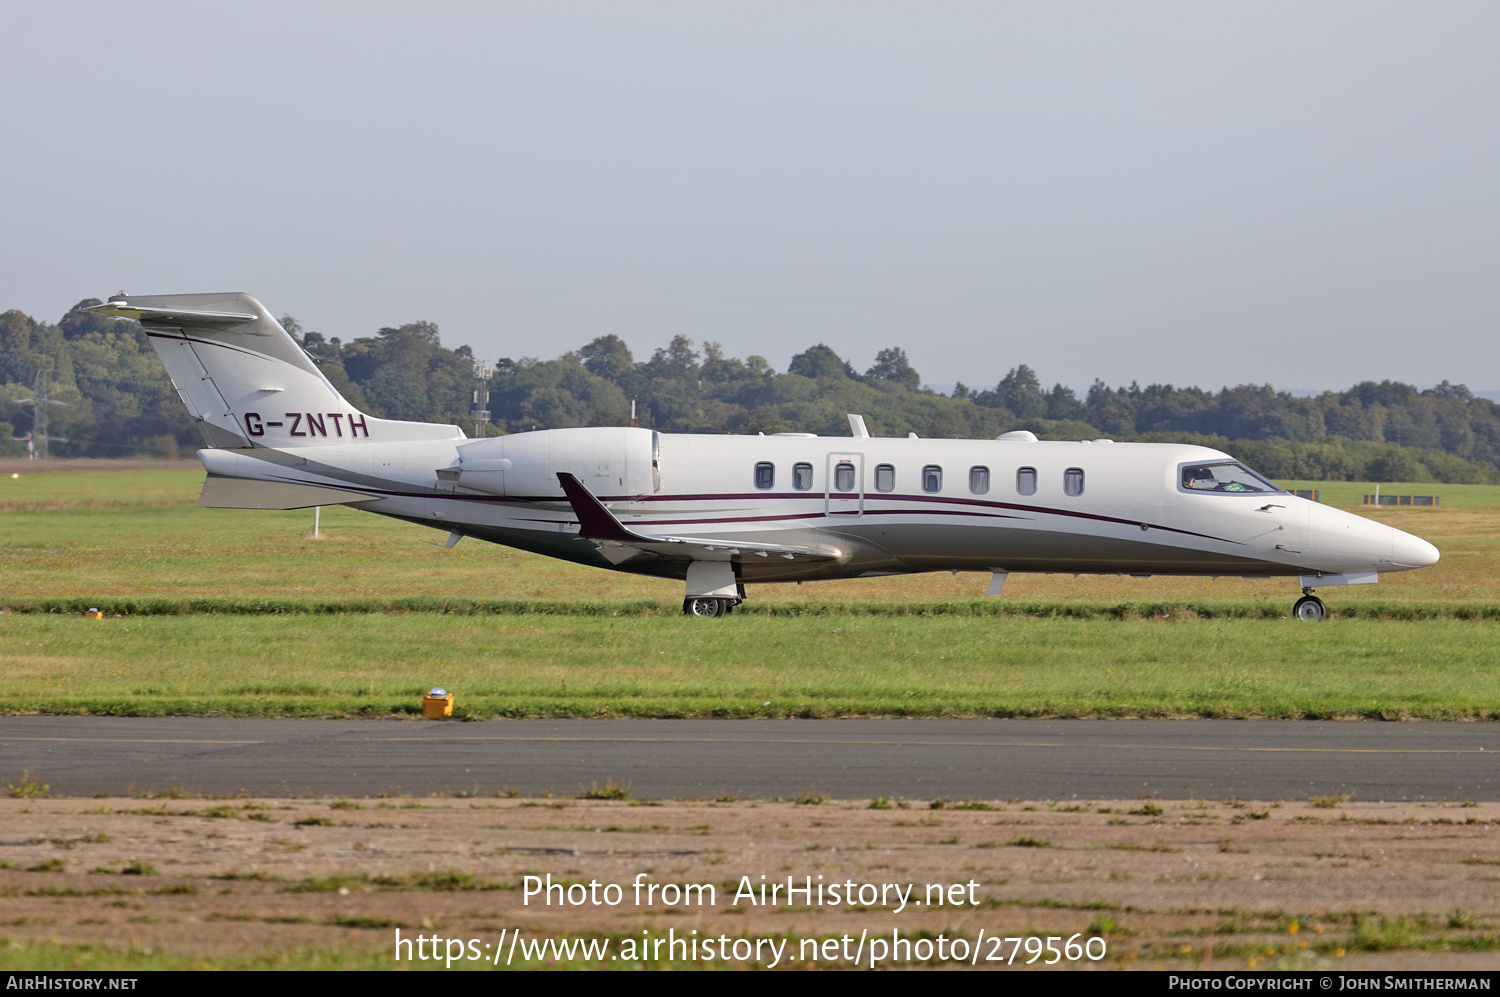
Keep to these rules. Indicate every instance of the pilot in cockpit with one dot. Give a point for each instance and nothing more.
(1201, 478)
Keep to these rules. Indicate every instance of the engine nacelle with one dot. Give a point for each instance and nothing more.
(608, 460)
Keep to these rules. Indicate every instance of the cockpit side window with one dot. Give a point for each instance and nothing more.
(1228, 476)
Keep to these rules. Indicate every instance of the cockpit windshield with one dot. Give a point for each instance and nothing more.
(1226, 477)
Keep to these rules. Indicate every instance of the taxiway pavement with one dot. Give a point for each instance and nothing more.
(687, 759)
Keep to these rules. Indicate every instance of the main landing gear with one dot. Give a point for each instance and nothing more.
(707, 606)
(1309, 608)
(713, 606)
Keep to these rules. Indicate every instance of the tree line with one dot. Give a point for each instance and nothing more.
(110, 396)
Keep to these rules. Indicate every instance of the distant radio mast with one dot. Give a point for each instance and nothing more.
(482, 372)
(37, 446)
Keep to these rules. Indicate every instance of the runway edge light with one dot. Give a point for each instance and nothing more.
(437, 704)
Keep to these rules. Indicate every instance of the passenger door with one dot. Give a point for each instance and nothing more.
(845, 485)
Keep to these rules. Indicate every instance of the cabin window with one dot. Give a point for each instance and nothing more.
(843, 477)
(1073, 481)
(932, 478)
(979, 480)
(802, 477)
(885, 478)
(765, 474)
(1026, 481)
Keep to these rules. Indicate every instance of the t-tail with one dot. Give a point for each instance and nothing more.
(247, 382)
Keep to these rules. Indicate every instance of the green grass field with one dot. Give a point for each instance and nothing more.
(1350, 494)
(509, 665)
(239, 612)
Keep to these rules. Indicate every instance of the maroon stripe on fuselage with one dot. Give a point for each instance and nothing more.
(832, 517)
(1033, 511)
(930, 499)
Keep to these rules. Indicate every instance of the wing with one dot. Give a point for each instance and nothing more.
(618, 542)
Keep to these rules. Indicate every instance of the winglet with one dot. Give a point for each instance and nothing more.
(594, 521)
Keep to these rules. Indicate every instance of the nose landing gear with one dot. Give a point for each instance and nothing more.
(1309, 608)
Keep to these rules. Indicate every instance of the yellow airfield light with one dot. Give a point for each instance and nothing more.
(437, 704)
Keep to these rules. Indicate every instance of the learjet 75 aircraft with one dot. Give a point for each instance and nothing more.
(721, 512)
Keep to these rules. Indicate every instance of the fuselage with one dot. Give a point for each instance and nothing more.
(721, 511)
(887, 505)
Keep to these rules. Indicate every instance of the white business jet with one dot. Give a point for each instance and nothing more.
(723, 511)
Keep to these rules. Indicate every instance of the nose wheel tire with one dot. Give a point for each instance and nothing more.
(1310, 609)
(705, 607)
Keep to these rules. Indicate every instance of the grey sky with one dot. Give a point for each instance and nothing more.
(1202, 193)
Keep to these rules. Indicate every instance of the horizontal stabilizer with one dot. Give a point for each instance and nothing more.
(618, 542)
(186, 317)
(241, 493)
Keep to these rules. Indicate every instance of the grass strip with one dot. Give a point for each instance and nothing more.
(806, 666)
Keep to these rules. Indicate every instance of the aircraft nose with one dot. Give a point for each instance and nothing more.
(1408, 551)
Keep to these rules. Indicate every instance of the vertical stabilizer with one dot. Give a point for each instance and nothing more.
(246, 381)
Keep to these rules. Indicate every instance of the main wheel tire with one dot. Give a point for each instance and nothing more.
(1310, 609)
(702, 606)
